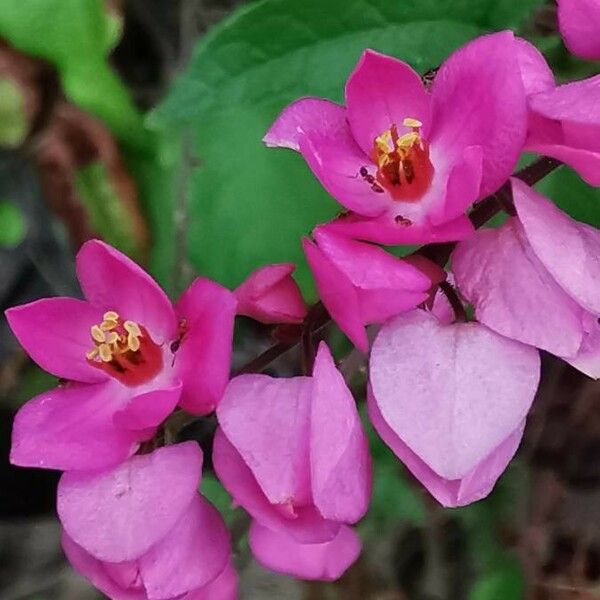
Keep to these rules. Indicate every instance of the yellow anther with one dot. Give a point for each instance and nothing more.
(92, 354)
(410, 122)
(408, 140)
(133, 343)
(105, 352)
(108, 325)
(112, 338)
(97, 334)
(132, 328)
(384, 141)
(111, 315)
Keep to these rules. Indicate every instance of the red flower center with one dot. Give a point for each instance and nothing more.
(124, 350)
(403, 165)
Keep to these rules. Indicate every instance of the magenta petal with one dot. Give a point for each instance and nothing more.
(190, 556)
(112, 281)
(560, 242)
(536, 74)
(94, 570)
(341, 470)
(119, 515)
(479, 100)
(55, 332)
(384, 231)
(383, 91)
(475, 485)
(71, 427)
(270, 295)
(223, 587)
(513, 293)
(306, 524)
(148, 410)
(337, 294)
(305, 116)
(267, 420)
(422, 375)
(579, 23)
(203, 360)
(325, 562)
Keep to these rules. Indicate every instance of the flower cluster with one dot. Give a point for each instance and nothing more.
(411, 164)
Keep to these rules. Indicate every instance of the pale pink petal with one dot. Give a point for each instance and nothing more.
(305, 116)
(304, 523)
(587, 359)
(190, 556)
(337, 294)
(71, 427)
(475, 485)
(497, 271)
(341, 471)
(55, 332)
(422, 373)
(385, 231)
(224, 587)
(383, 91)
(568, 249)
(109, 513)
(270, 295)
(536, 73)
(462, 187)
(112, 281)
(479, 100)
(267, 420)
(203, 359)
(579, 22)
(148, 410)
(97, 574)
(325, 562)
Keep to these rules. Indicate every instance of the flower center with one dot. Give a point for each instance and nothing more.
(403, 165)
(124, 350)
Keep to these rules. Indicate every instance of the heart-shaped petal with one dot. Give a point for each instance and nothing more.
(451, 393)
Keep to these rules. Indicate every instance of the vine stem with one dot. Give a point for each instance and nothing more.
(318, 317)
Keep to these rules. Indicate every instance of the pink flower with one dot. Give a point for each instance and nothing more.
(360, 284)
(129, 357)
(579, 22)
(410, 160)
(142, 531)
(536, 279)
(450, 400)
(270, 295)
(292, 452)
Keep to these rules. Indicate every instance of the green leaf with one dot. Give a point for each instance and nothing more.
(503, 582)
(216, 494)
(12, 225)
(13, 121)
(570, 193)
(76, 36)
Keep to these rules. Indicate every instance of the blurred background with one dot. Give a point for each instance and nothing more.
(139, 121)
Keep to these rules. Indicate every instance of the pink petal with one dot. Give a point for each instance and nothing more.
(422, 374)
(94, 570)
(385, 231)
(267, 420)
(270, 295)
(475, 485)
(55, 332)
(71, 427)
(119, 515)
(305, 116)
(190, 556)
(579, 23)
(383, 91)
(148, 410)
(224, 587)
(337, 294)
(513, 293)
(341, 471)
(587, 359)
(560, 242)
(325, 562)
(203, 360)
(112, 281)
(536, 74)
(304, 524)
(479, 100)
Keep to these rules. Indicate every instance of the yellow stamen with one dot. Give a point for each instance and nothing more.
(105, 352)
(108, 325)
(112, 338)
(133, 343)
(97, 334)
(111, 315)
(410, 122)
(408, 140)
(132, 327)
(92, 354)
